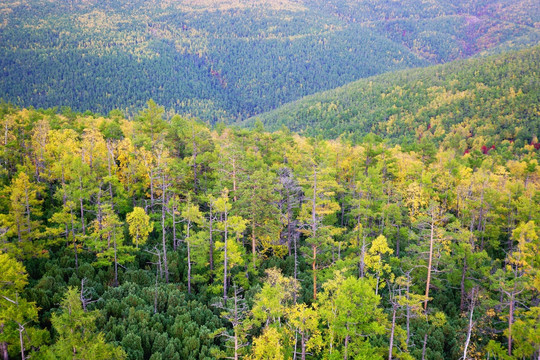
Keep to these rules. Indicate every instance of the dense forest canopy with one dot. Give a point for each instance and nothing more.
(352, 208)
(227, 60)
(466, 104)
(159, 238)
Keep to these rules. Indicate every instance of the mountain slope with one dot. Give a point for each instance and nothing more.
(230, 59)
(494, 98)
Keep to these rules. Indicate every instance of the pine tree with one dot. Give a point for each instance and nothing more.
(77, 336)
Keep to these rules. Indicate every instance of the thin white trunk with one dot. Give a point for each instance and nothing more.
(469, 331)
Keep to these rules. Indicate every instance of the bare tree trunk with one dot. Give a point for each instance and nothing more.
(510, 322)
(362, 264)
(392, 333)
(314, 268)
(21, 329)
(431, 240)
(470, 328)
(163, 234)
(236, 347)
(225, 259)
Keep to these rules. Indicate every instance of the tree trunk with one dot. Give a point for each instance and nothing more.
(303, 346)
(314, 268)
(235, 345)
(211, 248)
(431, 240)
(362, 263)
(225, 261)
(346, 348)
(82, 211)
(21, 329)
(470, 329)
(188, 258)
(392, 333)
(253, 244)
(163, 237)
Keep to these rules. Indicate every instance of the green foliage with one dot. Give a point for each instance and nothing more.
(361, 243)
(349, 307)
(232, 60)
(77, 337)
(22, 220)
(139, 226)
(463, 105)
(128, 317)
(16, 313)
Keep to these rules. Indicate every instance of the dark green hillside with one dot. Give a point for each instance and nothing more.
(228, 60)
(496, 98)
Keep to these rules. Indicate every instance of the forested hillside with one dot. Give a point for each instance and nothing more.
(227, 60)
(158, 238)
(462, 105)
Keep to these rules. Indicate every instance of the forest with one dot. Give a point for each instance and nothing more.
(227, 60)
(488, 99)
(158, 237)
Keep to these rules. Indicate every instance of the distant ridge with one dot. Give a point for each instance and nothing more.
(497, 98)
(227, 60)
